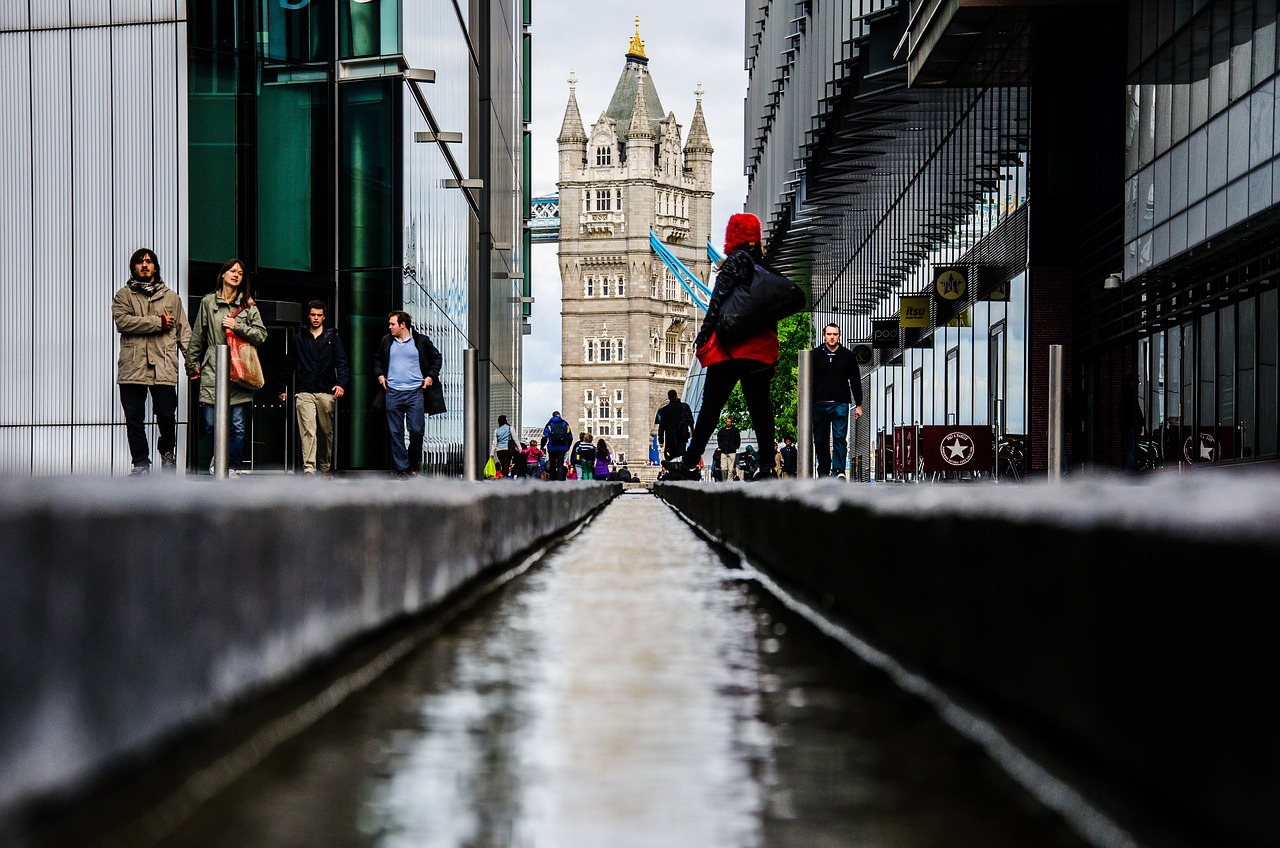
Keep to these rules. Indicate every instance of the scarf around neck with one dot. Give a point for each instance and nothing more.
(146, 289)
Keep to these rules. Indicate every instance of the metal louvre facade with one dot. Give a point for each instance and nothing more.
(867, 184)
(84, 83)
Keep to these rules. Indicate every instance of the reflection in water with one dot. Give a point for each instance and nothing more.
(628, 692)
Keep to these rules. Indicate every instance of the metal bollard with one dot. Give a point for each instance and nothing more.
(804, 415)
(221, 411)
(471, 437)
(1057, 441)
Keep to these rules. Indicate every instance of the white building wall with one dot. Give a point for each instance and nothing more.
(92, 167)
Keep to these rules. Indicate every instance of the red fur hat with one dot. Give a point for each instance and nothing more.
(743, 229)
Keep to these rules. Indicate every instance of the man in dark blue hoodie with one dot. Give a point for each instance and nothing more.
(556, 439)
(317, 356)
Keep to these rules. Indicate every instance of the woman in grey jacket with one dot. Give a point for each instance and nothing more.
(227, 307)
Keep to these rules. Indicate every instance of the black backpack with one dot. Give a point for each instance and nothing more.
(559, 430)
(677, 420)
(757, 303)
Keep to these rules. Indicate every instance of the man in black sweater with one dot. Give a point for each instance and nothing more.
(317, 356)
(836, 381)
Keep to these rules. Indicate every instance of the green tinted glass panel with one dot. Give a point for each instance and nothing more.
(369, 28)
(213, 126)
(370, 174)
(290, 117)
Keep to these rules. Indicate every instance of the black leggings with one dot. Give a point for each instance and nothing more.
(721, 378)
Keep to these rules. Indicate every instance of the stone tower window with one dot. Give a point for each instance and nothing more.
(606, 351)
(604, 286)
(590, 354)
(591, 286)
(618, 194)
(604, 155)
(586, 201)
(622, 282)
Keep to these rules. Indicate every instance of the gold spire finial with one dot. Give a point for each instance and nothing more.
(636, 47)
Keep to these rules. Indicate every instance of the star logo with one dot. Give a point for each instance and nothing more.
(1202, 447)
(951, 284)
(957, 448)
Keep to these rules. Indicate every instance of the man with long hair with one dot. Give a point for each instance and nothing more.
(153, 327)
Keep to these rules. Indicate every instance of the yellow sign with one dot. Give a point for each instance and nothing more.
(950, 282)
(964, 319)
(913, 312)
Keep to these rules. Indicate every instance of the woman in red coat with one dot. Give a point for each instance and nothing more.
(750, 361)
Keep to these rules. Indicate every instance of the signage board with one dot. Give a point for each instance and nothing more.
(956, 447)
(913, 311)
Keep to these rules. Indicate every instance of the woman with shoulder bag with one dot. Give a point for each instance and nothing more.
(750, 360)
(503, 439)
(227, 309)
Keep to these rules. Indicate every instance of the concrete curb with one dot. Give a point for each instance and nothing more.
(1131, 625)
(131, 610)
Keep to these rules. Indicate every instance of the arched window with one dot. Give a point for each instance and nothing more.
(591, 353)
(604, 286)
(622, 282)
(591, 287)
(606, 351)
(605, 412)
(604, 155)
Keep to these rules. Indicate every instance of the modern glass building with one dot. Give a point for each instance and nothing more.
(368, 153)
(957, 182)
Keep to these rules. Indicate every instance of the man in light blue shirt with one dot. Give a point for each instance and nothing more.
(408, 369)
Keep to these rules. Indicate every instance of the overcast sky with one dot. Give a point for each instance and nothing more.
(686, 43)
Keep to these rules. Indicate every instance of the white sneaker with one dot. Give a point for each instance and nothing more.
(841, 476)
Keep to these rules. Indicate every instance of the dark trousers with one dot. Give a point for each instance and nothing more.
(164, 402)
(721, 378)
(406, 408)
(555, 464)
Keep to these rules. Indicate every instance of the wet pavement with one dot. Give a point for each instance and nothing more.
(631, 689)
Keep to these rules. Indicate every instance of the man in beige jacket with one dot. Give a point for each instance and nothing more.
(153, 327)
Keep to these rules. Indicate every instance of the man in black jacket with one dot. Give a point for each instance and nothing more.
(836, 380)
(728, 440)
(407, 366)
(675, 422)
(317, 356)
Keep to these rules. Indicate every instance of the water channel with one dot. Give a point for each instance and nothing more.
(630, 689)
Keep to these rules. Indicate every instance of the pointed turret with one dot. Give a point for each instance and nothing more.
(640, 135)
(699, 139)
(698, 149)
(571, 131)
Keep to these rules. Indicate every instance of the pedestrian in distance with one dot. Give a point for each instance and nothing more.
(153, 327)
(787, 453)
(229, 307)
(836, 381)
(675, 423)
(504, 445)
(318, 362)
(750, 361)
(520, 461)
(728, 440)
(583, 457)
(535, 460)
(604, 458)
(407, 366)
(557, 437)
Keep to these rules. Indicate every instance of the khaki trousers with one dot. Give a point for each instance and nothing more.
(315, 415)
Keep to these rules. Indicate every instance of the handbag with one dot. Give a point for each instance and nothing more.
(490, 469)
(755, 304)
(246, 368)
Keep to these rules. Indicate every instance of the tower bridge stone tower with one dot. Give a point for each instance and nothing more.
(628, 324)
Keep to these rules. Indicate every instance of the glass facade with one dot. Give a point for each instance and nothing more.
(1202, 177)
(338, 197)
(288, 135)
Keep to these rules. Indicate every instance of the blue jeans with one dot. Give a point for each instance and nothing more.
(235, 440)
(830, 419)
(402, 407)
